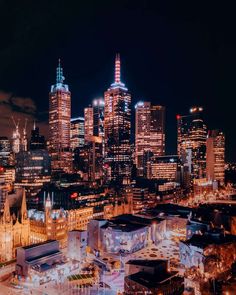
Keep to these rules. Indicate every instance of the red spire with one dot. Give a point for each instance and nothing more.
(117, 68)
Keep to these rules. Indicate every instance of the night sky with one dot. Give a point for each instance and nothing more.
(174, 53)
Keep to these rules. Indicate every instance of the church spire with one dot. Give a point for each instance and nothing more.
(117, 68)
(6, 212)
(23, 207)
(60, 77)
(48, 203)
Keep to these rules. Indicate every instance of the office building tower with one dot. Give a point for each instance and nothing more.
(37, 141)
(32, 169)
(149, 133)
(165, 168)
(91, 160)
(98, 117)
(88, 122)
(59, 124)
(215, 156)
(5, 151)
(117, 124)
(76, 132)
(192, 133)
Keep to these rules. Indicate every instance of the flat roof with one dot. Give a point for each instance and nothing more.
(38, 244)
(123, 226)
(153, 281)
(137, 219)
(43, 256)
(146, 262)
(202, 241)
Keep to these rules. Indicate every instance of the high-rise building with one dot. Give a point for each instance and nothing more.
(88, 122)
(59, 124)
(5, 151)
(37, 141)
(215, 156)
(149, 133)
(192, 133)
(91, 159)
(98, 117)
(32, 169)
(76, 132)
(165, 168)
(117, 124)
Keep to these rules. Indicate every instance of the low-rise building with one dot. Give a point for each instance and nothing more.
(123, 237)
(152, 277)
(209, 255)
(38, 257)
(125, 233)
(76, 245)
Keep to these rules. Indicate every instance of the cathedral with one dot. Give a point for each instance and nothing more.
(14, 232)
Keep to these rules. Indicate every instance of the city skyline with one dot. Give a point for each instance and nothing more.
(177, 72)
(117, 162)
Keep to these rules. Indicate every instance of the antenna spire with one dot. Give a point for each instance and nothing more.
(60, 77)
(117, 68)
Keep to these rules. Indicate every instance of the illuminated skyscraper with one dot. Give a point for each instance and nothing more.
(88, 122)
(98, 117)
(59, 124)
(94, 119)
(117, 123)
(77, 133)
(5, 151)
(215, 156)
(149, 133)
(192, 133)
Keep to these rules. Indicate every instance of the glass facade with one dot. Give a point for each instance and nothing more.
(117, 125)
(149, 134)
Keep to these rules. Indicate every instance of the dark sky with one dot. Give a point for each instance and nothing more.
(178, 54)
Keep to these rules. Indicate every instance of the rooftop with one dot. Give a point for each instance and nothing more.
(123, 226)
(212, 237)
(150, 263)
(153, 281)
(49, 255)
(38, 244)
(142, 219)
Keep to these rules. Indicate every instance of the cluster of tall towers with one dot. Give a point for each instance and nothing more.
(103, 135)
(201, 151)
(108, 119)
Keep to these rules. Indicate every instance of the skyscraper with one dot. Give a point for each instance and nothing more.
(5, 151)
(215, 156)
(117, 124)
(37, 141)
(77, 133)
(88, 122)
(149, 133)
(59, 124)
(98, 117)
(191, 141)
